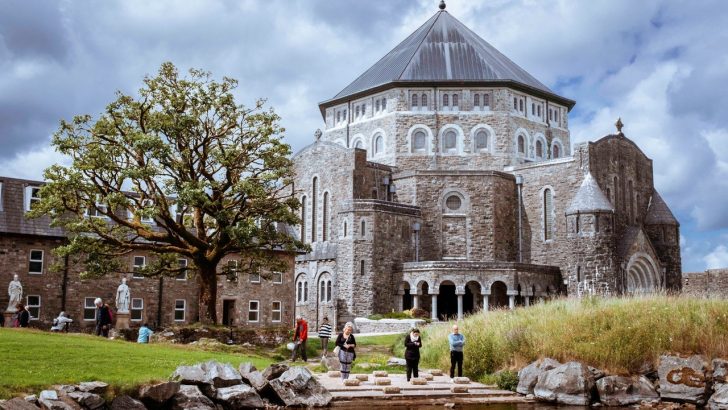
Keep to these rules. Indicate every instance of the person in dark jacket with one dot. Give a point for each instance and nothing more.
(346, 344)
(103, 318)
(23, 315)
(412, 345)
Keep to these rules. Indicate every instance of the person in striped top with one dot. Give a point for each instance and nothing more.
(324, 333)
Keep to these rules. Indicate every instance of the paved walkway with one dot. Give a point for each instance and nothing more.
(436, 391)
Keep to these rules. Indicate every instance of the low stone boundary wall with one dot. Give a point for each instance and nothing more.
(364, 325)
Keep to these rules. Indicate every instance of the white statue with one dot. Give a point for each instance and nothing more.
(15, 290)
(122, 297)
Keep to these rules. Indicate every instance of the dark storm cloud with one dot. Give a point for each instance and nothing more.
(33, 29)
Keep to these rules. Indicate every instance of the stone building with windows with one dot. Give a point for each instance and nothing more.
(445, 179)
(263, 299)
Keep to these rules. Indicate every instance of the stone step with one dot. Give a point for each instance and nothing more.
(404, 393)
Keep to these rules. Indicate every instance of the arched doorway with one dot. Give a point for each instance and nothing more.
(472, 300)
(642, 275)
(498, 295)
(406, 295)
(447, 301)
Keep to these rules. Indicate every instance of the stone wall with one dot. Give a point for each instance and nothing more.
(363, 325)
(711, 283)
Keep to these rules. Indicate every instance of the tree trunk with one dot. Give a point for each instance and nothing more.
(207, 279)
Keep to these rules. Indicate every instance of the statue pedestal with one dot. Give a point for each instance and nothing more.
(8, 318)
(122, 320)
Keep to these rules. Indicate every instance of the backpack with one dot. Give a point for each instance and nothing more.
(111, 314)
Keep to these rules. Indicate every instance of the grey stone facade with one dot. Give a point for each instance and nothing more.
(459, 194)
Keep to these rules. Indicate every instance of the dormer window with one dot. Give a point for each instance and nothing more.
(32, 197)
(98, 210)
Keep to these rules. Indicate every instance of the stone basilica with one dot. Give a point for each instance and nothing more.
(445, 179)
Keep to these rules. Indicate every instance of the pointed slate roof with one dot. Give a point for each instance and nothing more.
(444, 50)
(659, 213)
(589, 198)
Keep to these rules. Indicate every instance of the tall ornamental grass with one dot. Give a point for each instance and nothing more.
(619, 335)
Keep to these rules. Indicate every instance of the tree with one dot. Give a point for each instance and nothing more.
(179, 171)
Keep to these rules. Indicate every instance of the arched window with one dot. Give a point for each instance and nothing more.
(378, 144)
(375, 194)
(384, 103)
(346, 225)
(455, 100)
(533, 108)
(363, 227)
(325, 222)
(521, 144)
(481, 141)
(303, 219)
(328, 291)
(515, 103)
(424, 101)
(556, 152)
(453, 203)
(548, 220)
(376, 106)
(539, 149)
(356, 112)
(486, 100)
(538, 110)
(476, 100)
(322, 290)
(419, 141)
(338, 117)
(414, 101)
(305, 291)
(301, 289)
(359, 144)
(299, 292)
(314, 204)
(363, 109)
(450, 142)
(445, 100)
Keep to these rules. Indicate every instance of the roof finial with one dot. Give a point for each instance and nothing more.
(317, 134)
(619, 126)
(442, 5)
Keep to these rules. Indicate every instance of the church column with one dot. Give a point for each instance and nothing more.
(485, 303)
(415, 301)
(528, 301)
(460, 291)
(511, 302)
(434, 307)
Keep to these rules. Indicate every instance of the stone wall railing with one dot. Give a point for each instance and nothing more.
(364, 325)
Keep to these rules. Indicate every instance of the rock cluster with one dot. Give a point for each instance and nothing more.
(693, 380)
(204, 386)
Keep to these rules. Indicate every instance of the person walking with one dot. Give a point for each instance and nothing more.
(144, 334)
(61, 322)
(103, 318)
(299, 339)
(324, 333)
(412, 345)
(346, 343)
(457, 341)
(23, 316)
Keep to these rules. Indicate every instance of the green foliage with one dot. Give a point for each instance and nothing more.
(34, 360)
(507, 380)
(179, 170)
(407, 314)
(617, 334)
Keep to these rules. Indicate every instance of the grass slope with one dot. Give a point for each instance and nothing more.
(32, 360)
(618, 335)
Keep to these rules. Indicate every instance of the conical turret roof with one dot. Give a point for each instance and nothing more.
(659, 213)
(589, 198)
(442, 51)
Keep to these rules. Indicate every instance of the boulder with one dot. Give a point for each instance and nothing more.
(461, 380)
(275, 370)
(64, 389)
(59, 404)
(720, 373)
(380, 373)
(17, 404)
(362, 377)
(391, 390)
(459, 389)
(528, 376)
(382, 381)
(221, 374)
(427, 376)
(154, 394)
(596, 373)
(48, 395)
(255, 379)
(418, 381)
(571, 383)
(685, 379)
(246, 367)
(333, 373)
(190, 375)
(719, 399)
(190, 397)
(435, 372)
(125, 402)
(31, 399)
(93, 387)
(352, 382)
(240, 396)
(298, 387)
(91, 401)
(331, 363)
(395, 361)
(624, 391)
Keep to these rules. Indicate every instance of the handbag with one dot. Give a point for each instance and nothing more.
(337, 349)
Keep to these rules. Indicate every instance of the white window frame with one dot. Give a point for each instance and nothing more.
(30, 306)
(183, 309)
(255, 277)
(31, 260)
(92, 307)
(87, 214)
(29, 198)
(275, 275)
(182, 263)
(235, 270)
(134, 266)
(279, 311)
(137, 309)
(256, 311)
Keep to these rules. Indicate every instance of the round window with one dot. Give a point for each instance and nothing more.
(453, 202)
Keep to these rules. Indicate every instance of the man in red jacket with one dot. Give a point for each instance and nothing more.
(299, 339)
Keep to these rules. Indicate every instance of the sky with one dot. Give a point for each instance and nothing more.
(662, 66)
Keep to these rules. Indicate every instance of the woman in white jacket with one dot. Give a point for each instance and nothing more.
(60, 323)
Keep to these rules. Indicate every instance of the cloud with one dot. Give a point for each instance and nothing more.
(718, 258)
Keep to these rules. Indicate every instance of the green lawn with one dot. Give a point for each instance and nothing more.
(32, 360)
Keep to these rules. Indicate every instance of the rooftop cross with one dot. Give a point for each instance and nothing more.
(442, 5)
(619, 125)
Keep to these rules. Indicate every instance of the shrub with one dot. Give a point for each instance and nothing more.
(507, 380)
